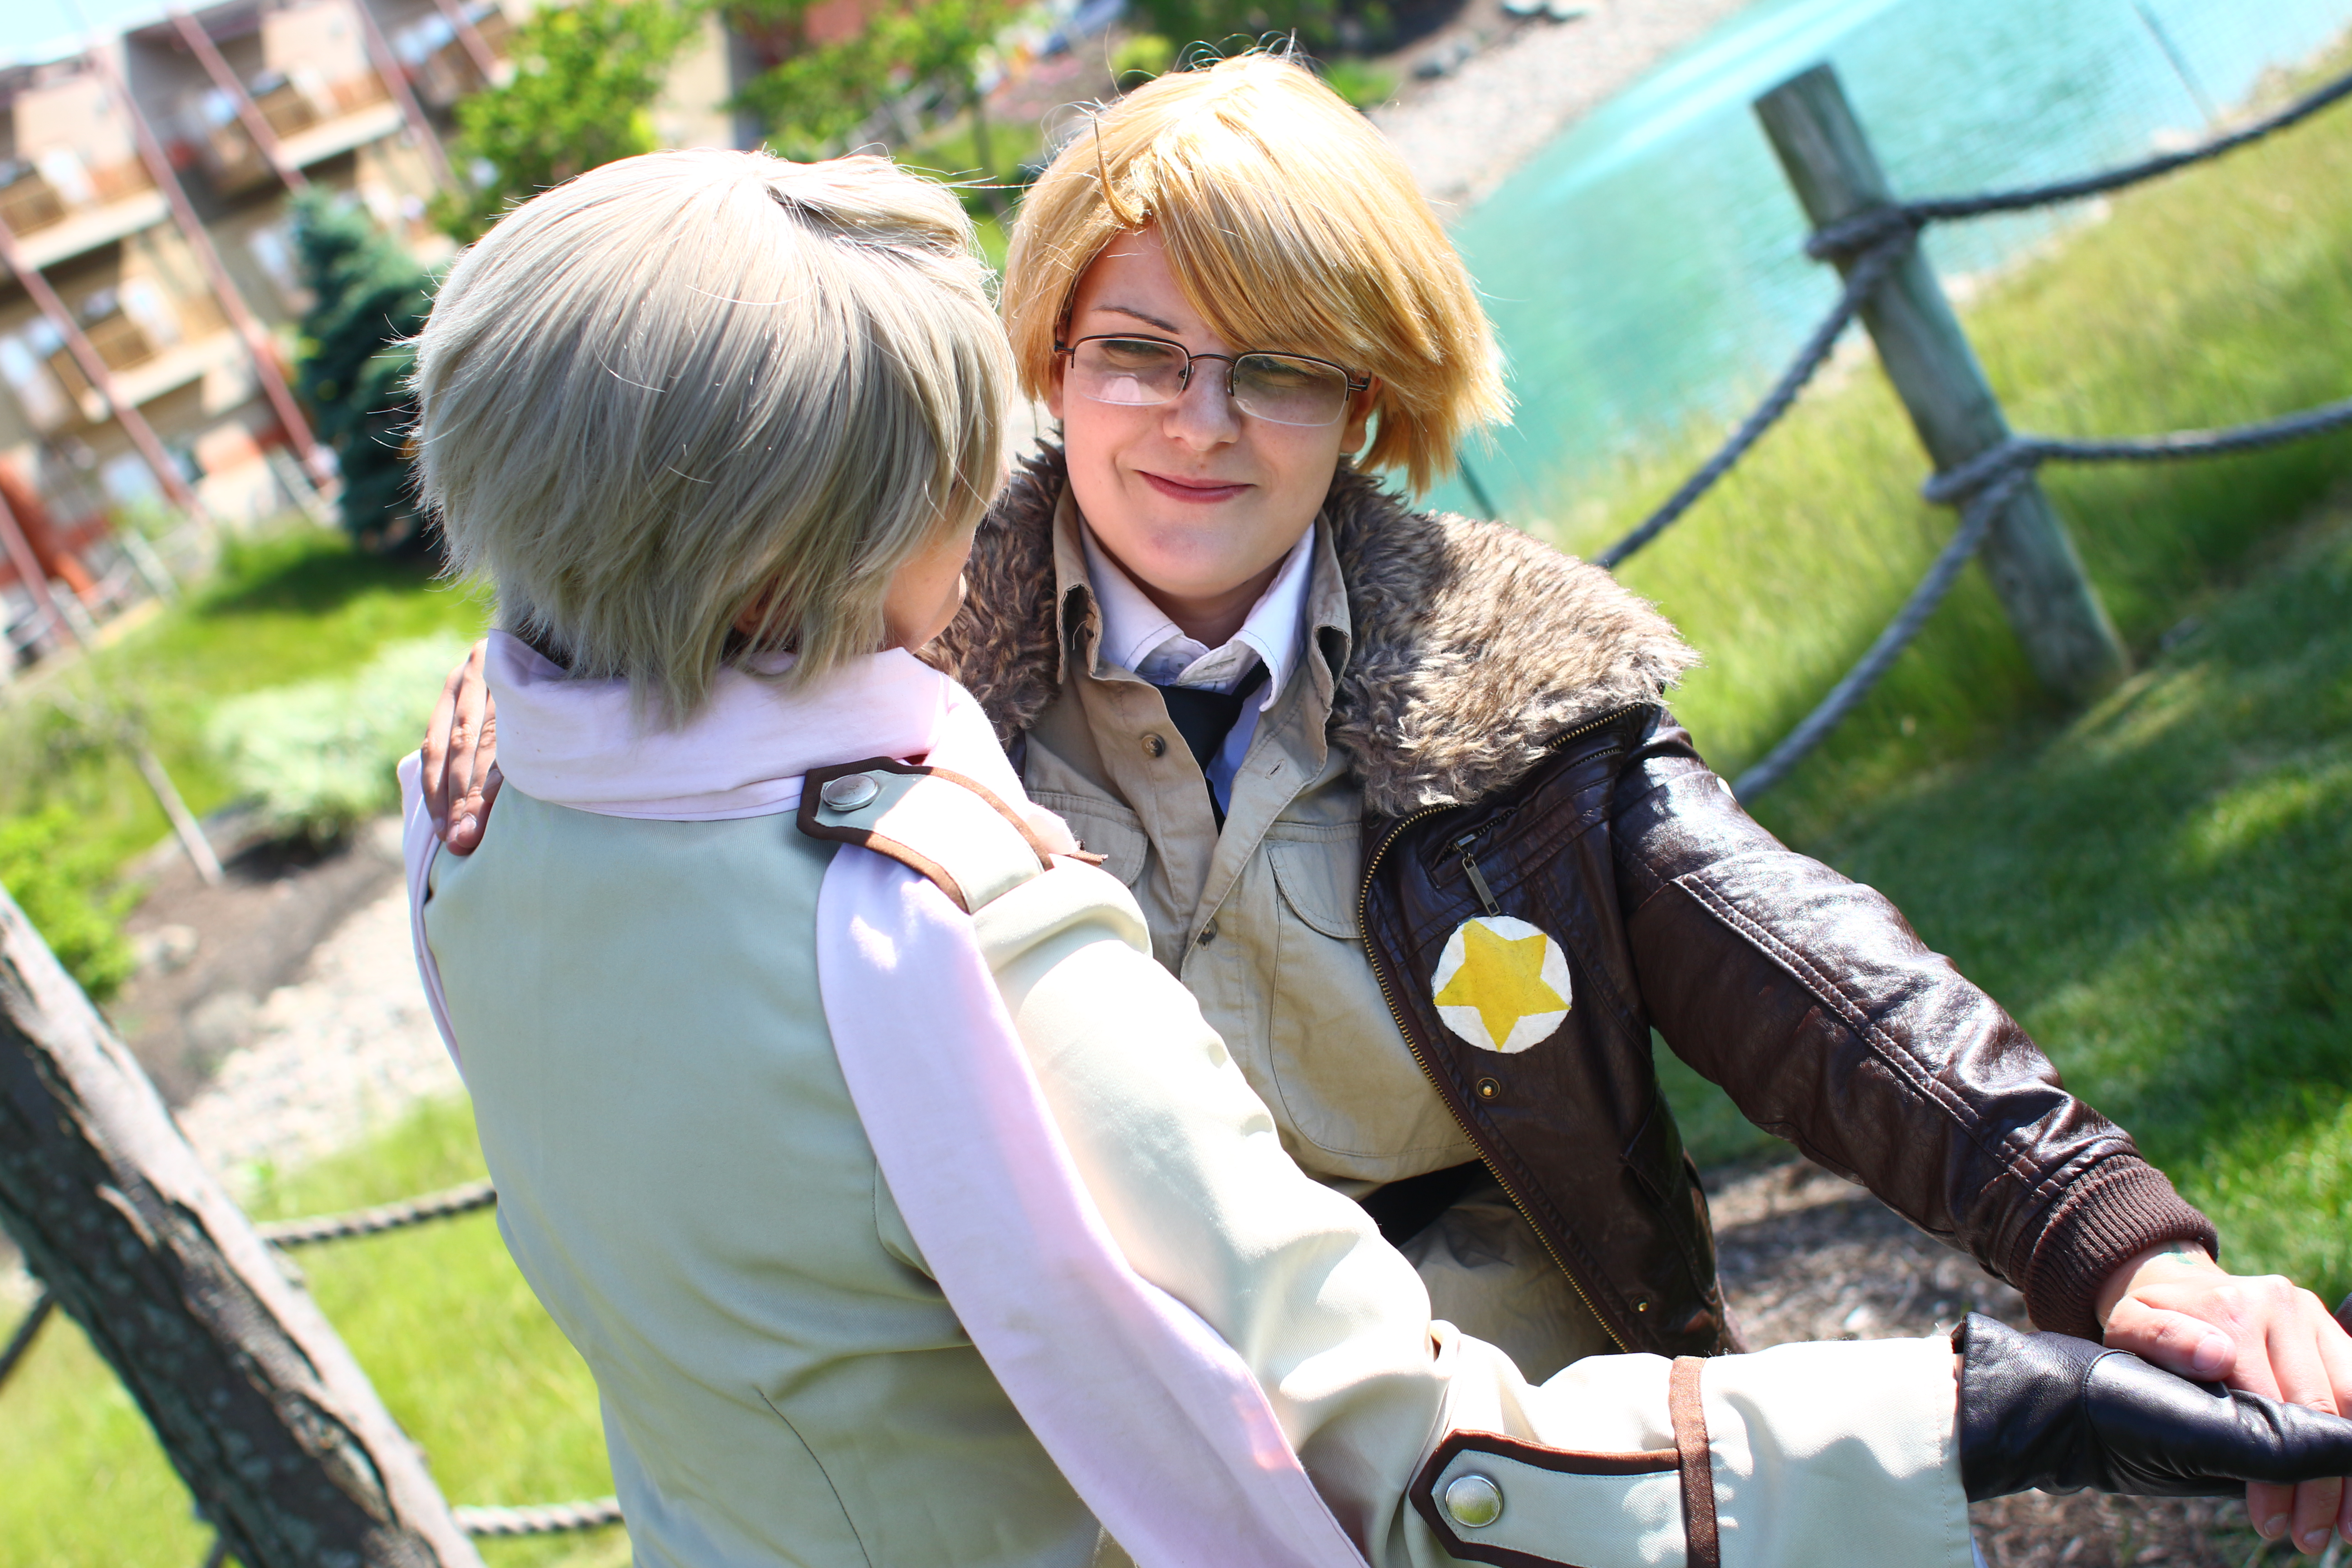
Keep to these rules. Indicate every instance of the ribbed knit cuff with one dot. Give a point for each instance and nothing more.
(2121, 1207)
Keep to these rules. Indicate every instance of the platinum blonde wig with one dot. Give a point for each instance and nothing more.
(689, 388)
(1289, 224)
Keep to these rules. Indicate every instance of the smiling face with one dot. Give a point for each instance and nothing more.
(1199, 501)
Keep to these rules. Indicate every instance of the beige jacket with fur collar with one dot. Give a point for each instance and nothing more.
(1260, 920)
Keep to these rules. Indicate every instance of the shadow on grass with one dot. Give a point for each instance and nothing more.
(307, 571)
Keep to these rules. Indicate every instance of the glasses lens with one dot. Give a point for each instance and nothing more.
(1283, 390)
(1136, 372)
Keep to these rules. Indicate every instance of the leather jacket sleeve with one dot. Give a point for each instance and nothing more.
(1810, 1001)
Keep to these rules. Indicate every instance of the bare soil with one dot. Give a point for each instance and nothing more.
(1806, 1254)
(212, 954)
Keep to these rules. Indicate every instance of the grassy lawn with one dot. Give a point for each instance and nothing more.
(287, 608)
(2161, 890)
(452, 1337)
(2157, 888)
(2218, 295)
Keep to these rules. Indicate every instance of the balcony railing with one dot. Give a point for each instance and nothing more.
(31, 202)
(133, 347)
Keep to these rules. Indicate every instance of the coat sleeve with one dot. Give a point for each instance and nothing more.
(1810, 1001)
(1820, 1455)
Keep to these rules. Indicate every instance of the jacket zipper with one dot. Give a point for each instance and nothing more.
(1421, 1058)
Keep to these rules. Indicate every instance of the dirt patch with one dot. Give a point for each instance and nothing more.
(1806, 1254)
(211, 956)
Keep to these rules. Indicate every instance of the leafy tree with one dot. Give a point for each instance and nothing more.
(819, 94)
(583, 76)
(368, 298)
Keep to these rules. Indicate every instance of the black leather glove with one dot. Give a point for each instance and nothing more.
(2056, 1413)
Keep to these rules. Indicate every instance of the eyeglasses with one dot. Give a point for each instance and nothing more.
(1143, 373)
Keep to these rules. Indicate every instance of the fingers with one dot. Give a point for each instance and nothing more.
(471, 814)
(2174, 1341)
(2305, 1356)
(435, 751)
(2315, 1510)
(460, 751)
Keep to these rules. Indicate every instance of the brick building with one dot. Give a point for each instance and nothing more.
(148, 289)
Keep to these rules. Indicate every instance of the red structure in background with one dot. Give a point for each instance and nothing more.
(50, 548)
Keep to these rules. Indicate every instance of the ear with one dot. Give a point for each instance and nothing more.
(1359, 417)
(1054, 385)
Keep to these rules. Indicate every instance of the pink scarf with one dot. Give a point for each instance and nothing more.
(1155, 1421)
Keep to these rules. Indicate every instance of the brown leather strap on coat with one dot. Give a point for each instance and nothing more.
(1701, 1548)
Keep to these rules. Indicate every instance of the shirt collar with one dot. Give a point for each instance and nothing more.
(1137, 635)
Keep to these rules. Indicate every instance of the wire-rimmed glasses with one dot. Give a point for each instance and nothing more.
(1143, 373)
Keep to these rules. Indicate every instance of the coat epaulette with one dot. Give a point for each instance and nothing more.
(949, 827)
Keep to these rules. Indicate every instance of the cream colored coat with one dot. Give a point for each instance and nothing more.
(685, 1183)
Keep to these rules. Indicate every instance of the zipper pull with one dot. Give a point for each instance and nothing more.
(1478, 878)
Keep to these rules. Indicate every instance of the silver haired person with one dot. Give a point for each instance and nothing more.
(906, 1211)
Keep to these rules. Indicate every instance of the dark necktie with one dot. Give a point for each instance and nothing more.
(1205, 718)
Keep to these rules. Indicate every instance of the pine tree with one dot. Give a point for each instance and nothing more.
(368, 297)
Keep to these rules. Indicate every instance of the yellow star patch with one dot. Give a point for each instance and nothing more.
(1501, 983)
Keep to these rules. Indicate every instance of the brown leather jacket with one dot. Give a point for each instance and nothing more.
(1804, 995)
(1500, 701)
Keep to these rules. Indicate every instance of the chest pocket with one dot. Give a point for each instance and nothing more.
(1345, 1080)
(1102, 828)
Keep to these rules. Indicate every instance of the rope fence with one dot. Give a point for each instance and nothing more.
(545, 1518)
(385, 1217)
(1869, 246)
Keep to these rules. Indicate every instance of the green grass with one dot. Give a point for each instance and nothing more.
(2215, 297)
(457, 1346)
(287, 608)
(2157, 888)
(2161, 891)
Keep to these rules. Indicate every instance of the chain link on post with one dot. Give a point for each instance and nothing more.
(548, 1519)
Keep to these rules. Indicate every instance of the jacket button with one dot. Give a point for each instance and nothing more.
(1487, 1089)
(1209, 931)
(1153, 746)
(1473, 1501)
(849, 792)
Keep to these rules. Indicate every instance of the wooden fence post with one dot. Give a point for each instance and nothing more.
(260, 1407)
(2034, 570)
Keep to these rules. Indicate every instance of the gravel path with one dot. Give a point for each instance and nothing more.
(338, 1053)
(1522, 83)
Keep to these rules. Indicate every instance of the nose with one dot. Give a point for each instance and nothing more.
(1202, 415)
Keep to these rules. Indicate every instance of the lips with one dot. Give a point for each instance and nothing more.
(1200, 492)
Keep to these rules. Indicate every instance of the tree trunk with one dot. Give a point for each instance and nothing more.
(262, 1411)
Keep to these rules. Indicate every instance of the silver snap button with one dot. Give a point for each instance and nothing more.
(849, 792)
(1473, 1501)
(1153, 746)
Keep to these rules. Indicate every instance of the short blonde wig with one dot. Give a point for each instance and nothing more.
(1289, 224)
(690, 385)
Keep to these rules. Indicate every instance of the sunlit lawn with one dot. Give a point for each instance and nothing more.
(453, 1339)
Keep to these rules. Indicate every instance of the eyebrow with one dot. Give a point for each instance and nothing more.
(1140, 316)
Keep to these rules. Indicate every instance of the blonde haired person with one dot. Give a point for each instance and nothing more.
(1402, 805)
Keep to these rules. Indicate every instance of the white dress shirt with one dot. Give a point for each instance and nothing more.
(1138, 636)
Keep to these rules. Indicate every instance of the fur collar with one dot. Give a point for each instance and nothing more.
(1473, 645)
